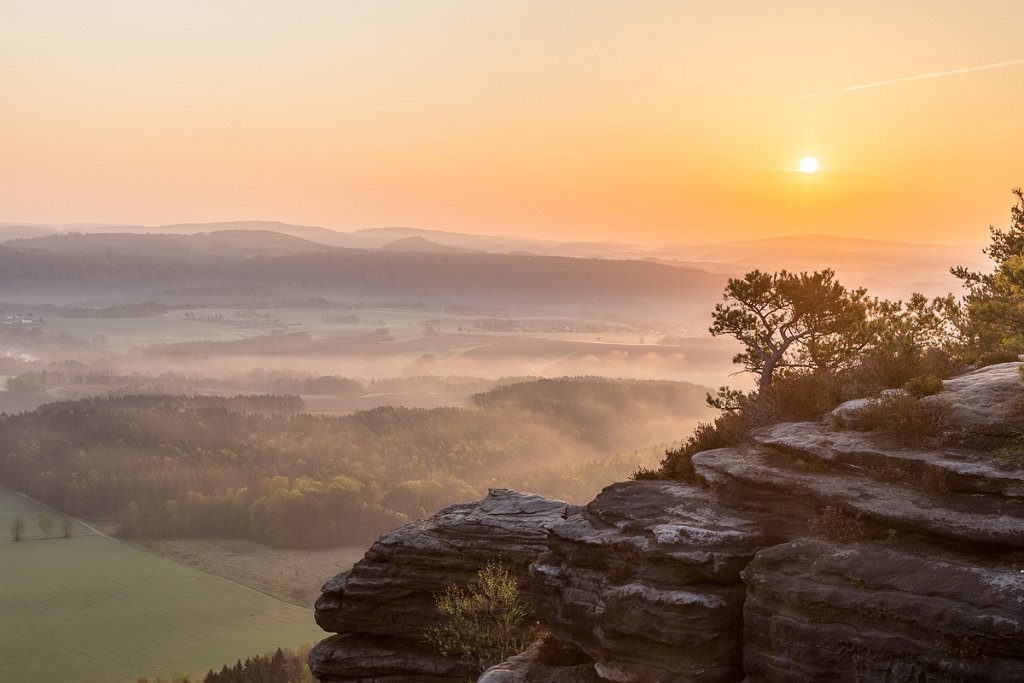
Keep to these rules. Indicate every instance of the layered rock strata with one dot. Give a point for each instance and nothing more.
(880, 612)
(646, 581)
(382, 607)
(810, 553)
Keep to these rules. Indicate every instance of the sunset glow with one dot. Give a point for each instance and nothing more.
(808, 165)
(662, 123)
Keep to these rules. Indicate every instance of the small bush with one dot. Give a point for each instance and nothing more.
(789, 399)
(923, 385)
(484, 623)
(796, 398)
(878, 371)
(1010, 454)
(621, 563)
(963, 648)
(902, 417)
(836, 525)
(645, 474)
(935, 481)
(890, 472)
(999, 355)
(727, 430)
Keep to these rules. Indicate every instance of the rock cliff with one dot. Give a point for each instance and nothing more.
(811, 553)
(380, 609)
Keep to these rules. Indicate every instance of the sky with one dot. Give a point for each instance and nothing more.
(645, 121)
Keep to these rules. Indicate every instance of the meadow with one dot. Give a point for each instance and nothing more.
(294, 576)
(93, 609)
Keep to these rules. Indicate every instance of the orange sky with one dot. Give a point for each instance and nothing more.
(642, 121)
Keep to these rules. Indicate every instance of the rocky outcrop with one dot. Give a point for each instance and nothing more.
(810, 553)
(381, 608)
(930, 589)
(984, 402)
(646, 581)
(817, 611)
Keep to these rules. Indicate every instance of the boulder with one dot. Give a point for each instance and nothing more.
(987, 402)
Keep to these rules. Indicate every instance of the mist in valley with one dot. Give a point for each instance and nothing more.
(491, 240)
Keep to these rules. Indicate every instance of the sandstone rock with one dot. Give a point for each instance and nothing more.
(871, 612)
(786, 493)
(988, 401)
(873, 455)
(548, 662)
(366, 659)
(646, 582)
(388, 596)
(847, 415)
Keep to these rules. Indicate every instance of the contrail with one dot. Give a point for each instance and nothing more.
(919, 77)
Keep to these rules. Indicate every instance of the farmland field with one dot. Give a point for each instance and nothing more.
(291, 575)
(93, 609)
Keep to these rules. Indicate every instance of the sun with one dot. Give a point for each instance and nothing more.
(808, 165)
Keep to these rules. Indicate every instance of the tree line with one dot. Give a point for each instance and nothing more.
(44, 520)
(281, 666)
(257, 467)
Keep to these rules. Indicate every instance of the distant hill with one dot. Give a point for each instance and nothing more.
(890, 269)
(333, 238)
(503, 244)
(12, 231)
(32, 274)
(423, 245)
(239, 243)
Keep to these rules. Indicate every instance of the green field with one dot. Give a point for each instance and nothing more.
(90, 609)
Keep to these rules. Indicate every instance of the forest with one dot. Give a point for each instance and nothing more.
(257, 467)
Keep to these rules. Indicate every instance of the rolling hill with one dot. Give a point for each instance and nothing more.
(237, 243)
(890, 269)
(138, 268)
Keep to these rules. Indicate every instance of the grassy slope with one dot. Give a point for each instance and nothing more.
(91, 609)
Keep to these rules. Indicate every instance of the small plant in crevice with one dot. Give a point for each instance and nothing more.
(484, 622)
(923, 385)
(620, 565)
(834, 524)
(890, 472)
(1010, 454)
(934, 480)
(963, 648)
